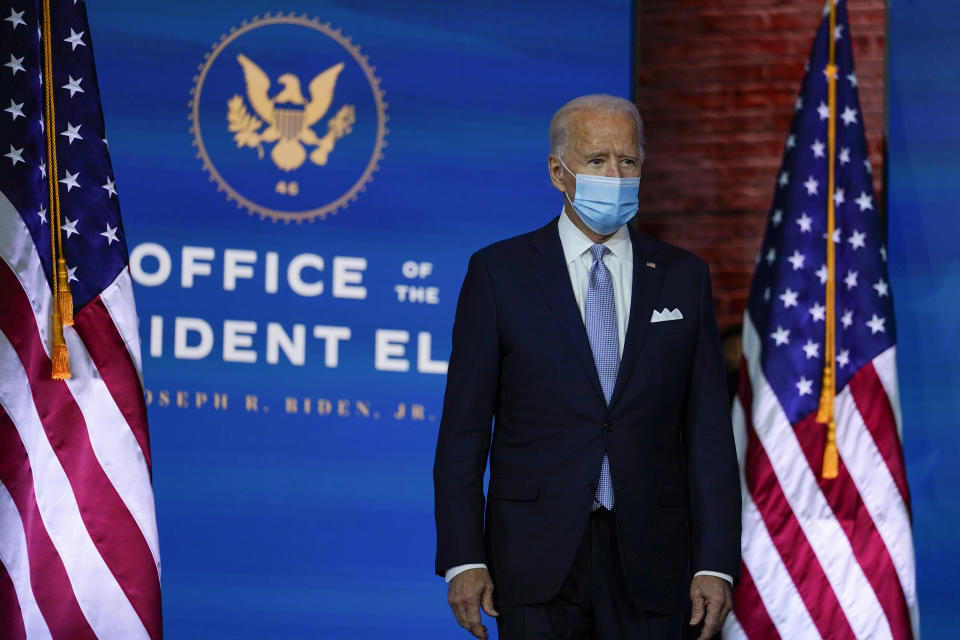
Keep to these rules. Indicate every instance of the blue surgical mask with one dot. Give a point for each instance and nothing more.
(604, 204)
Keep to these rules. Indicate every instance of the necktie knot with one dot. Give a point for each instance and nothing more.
(598, 251)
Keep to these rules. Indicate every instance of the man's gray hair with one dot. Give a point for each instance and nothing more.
(560, 123)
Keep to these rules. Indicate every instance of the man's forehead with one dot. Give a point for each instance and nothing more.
(592, 125)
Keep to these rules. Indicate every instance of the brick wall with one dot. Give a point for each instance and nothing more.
(716, 83)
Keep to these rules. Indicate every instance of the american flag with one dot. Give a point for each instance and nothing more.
(79, 555)
(822, 558)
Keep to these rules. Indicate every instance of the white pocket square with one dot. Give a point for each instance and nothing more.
(666, 315)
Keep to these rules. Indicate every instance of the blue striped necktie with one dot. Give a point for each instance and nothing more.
(600, 317)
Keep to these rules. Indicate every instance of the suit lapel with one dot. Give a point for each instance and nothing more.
(552, 273)
(646, 289)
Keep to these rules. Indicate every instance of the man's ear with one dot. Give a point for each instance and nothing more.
(556, 171)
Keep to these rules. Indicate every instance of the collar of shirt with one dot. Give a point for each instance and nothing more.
(575, 242)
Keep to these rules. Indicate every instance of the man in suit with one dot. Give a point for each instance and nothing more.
(586, 365)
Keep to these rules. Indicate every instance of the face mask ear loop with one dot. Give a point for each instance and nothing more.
(564, 165)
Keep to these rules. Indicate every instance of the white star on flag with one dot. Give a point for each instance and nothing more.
(73, 86)
(72, 132)
(781, 335)
(823, 274)
(766, 294)
(791, 141)
(883, 253)
(819, 312)
(797, 260)
(823, 111)
(857, 240)
(805, 222)
(866, 163)
(811, 184)
(15, 155)
(847, 318)
(42, 213)
(771, 255)
(843, 358)
(852, 77)
(798, 105)
(836, 235)
(883, 289)
(43, 169)
(817, 147)
(110, 187)
(838, 197)
(15, 64)
(838, 32)
(811, 349)
(71, 274)
(15, 110)
(777, 217)
(876, 324)
(864, 201)
(110, 234)
(789, 298)
(70, 180)
(784, 179)
(804, 386)
(849, 116)
(851, 279)
(16, 18)
(70, 227)
(75, 40)
(844, 156)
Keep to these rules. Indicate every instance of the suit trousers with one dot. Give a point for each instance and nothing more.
(593, 603)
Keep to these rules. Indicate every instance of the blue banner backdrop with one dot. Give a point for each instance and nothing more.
(923, 164)
(301, 193)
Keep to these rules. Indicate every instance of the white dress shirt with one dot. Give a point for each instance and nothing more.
(619, 262)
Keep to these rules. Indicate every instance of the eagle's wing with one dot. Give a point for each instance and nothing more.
(321, 94)
(258, 85)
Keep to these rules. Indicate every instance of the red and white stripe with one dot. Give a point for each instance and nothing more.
(823, 558)
(78, 531)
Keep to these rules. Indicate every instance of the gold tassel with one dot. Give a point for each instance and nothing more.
(64, 297)
(825, 408)
(60, 358)
(831, 458)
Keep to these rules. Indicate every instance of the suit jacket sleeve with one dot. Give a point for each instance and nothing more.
(463, 442)
(713, 478)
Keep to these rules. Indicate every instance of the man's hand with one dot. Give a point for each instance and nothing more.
(468, 592)
(712, 601)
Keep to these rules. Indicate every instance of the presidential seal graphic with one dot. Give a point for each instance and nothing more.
(288, 118)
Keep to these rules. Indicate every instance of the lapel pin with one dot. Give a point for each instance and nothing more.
(652, 265)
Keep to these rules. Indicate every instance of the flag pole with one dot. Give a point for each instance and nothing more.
(825, 412)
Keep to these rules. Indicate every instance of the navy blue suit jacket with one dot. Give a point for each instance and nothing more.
(522, 388)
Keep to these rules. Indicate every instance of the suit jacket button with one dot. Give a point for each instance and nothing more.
(608, 426)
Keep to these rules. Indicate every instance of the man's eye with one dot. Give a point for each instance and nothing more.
(596, 161)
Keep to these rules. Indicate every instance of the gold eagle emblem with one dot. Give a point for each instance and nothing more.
(289, 117)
